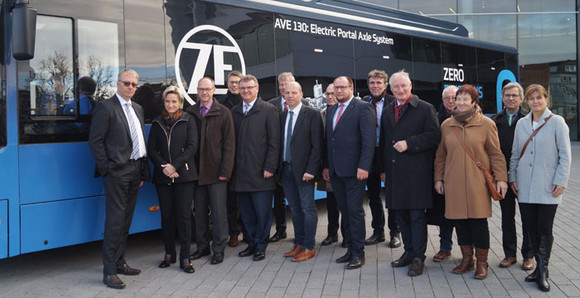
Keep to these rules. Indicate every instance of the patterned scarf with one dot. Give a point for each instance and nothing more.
(169, 120)
(465, 117)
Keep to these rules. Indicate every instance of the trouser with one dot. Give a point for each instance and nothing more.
(302, 208)
(508, 228)
(212, 196)
(333, 215)
(256, 212)
(280, 209)
(538, 220)
(374, 195)
(234, 220)
(472, 231)
(349, 192)
(413, 224)
(120, 198)
(175, 204)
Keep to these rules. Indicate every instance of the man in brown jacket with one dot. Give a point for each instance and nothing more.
(216, 161)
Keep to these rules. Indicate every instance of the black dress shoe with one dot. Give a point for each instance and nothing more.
(416, 267)
(259, 255)
(329, 240)
(403, 261)
(186, 266)
(217, 258)
(198, 254)
(356, 262)
(278, 236)
(247, 252)
(374, 239)
(126, 270)
(167, 260)
(344, 259)
(113, 281)
(395, 242)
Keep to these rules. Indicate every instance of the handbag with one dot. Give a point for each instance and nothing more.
(534, 133)
(489, 181)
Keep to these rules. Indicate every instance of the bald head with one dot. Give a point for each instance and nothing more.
(293, 94)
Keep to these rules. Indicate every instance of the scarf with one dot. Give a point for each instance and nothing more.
(465, 117)
(399, 109)
(169, 120)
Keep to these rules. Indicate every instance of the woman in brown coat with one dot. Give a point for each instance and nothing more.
(467, 201)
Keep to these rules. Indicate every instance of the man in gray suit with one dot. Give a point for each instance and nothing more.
(117, 141)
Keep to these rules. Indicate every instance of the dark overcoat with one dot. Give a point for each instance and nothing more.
(178, 149)
(409, 175)
(257, 147)
(505, 132)
(217, 143)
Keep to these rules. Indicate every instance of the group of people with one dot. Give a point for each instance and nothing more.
(235, 153)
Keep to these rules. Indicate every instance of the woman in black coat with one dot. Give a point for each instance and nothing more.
(173, 142)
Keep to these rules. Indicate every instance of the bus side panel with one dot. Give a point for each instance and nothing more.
(59, 171)
(63, 223)
(3, 229)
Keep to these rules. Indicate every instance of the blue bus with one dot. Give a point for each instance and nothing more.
(48, 196)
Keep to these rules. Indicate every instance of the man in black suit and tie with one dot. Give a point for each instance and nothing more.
(350, 142)
(117, 141)
(279, 198)
(301, 152)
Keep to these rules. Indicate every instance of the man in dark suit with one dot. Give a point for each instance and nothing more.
(377, 82)
(512, 96)
(117, 141)
(279, 198)
(301, 152)
(257, 128)
(409, 135)
(350, 143)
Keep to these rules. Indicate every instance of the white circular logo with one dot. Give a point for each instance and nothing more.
(203, 59)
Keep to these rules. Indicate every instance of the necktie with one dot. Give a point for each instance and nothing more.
(133, 130)
(510, 118)
(285, 106)
(246, 108)
(287, 157)
(339, 114)
(203, 111)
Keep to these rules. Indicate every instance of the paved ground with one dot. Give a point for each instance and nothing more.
(76, 271)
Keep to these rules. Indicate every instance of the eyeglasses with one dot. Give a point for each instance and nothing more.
(341, 87)
(511, 95)
(127, 84)
(449, 98)
(247, 88)
(233, 82)
(329, 93)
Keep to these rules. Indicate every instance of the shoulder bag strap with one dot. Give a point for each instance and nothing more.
(467, 150)
(533, 134)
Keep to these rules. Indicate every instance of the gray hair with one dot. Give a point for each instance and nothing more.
(514, 85)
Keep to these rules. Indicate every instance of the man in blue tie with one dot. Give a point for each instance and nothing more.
(301, 153)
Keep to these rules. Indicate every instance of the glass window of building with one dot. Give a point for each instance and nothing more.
(546, 5)
(429, 7)
(486, 6)
(485, 28)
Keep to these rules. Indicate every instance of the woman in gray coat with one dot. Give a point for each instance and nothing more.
(539, 174)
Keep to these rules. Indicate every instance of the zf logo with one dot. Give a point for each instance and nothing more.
(205, 51)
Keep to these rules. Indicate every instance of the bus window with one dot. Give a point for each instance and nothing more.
(426, 73)
(489, 65)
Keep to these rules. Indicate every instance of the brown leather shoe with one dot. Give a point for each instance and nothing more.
(304, 255)
(113, 281)
(126, 270)
(297, 249)
(441, 256)
(508, 261)
(233, 241)
(528, 264)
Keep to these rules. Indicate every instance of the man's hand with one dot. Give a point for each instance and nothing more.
(401, 146)
(361, 174)
(439, 188)
(326, 175)
(307, 177)
(169, 170)
(222, 178)
(383, 177)
(267, 174)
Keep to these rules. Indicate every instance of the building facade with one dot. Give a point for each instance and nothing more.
(545, 32)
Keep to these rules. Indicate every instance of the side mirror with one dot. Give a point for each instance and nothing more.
(23, 31)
